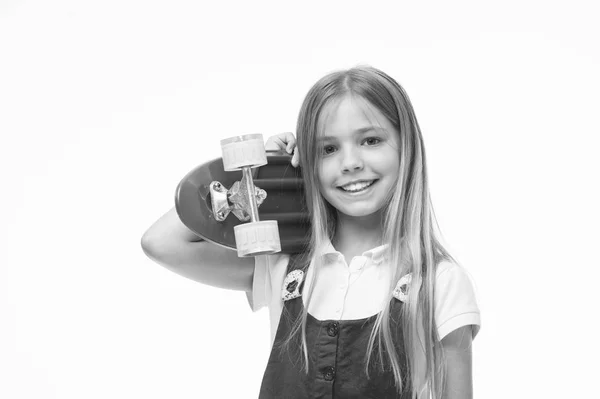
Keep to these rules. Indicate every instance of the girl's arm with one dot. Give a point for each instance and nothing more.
(459, 378)
(171, 244)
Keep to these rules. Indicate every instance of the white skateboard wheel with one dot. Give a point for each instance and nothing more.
(241, 151)
(257, 238)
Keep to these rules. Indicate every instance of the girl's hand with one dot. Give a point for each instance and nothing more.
(284, 142)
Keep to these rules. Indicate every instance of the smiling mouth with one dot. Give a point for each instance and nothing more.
(357, 187)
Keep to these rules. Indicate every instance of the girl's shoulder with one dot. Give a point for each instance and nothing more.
(452, 279)
(273, 261)
(280, 264)
(450, 270)
(270, 272)
(455, 298)
(274, 267)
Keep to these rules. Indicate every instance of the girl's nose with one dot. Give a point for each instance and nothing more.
(351, 161)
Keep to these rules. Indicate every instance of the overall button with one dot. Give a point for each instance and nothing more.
(329, 373)
(333, 329)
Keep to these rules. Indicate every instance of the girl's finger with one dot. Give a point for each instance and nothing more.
(275, 144)
(291, 142)
(281, 141)
(295, 158)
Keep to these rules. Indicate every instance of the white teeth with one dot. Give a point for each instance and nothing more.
(357, 186)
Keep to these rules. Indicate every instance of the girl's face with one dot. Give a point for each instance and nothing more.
(360, 157)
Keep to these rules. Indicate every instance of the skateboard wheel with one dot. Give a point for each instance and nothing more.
(257, 238)
(241, 151)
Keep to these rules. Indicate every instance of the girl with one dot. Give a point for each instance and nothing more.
(376, 307)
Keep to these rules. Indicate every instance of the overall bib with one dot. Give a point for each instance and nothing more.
(336, 355)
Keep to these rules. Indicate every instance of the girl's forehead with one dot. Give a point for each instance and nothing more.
(350, 112)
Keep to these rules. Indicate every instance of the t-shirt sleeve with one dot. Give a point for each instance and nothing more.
(455, 302)
(269, 272)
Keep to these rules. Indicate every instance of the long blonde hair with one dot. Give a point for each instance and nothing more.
(408, 226)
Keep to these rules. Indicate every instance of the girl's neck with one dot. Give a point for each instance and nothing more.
(355, 235)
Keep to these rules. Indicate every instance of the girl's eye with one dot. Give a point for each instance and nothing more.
(328, 149)
(372, 141)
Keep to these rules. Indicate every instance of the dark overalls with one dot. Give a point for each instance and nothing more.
(336, 354)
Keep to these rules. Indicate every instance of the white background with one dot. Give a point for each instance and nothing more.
(105, 106)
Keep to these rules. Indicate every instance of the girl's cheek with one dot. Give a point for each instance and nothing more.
(325, 165)
(320, 174)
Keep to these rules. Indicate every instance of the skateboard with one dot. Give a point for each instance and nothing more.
(213, 200)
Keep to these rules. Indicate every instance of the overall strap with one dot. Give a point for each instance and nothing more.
(295, 262)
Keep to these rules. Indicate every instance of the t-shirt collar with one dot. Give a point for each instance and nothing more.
(375, 254)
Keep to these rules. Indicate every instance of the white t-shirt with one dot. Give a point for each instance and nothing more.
(359, 290)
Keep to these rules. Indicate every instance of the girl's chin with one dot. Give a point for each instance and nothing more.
(360, 214)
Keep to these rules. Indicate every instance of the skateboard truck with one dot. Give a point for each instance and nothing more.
(235, 200)
(256, 237)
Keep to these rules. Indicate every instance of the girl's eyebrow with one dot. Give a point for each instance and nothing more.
(360, 131)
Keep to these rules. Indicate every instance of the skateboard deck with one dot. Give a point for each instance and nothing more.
(284, 201)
